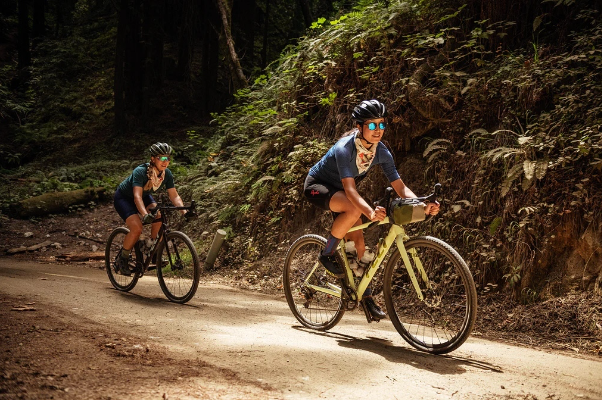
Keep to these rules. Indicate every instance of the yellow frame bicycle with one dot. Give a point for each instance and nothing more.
(428, 289)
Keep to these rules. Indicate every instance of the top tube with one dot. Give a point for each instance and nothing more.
(369, 225)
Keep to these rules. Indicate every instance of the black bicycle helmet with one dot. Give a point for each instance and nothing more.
(160, 149)
(368, 109)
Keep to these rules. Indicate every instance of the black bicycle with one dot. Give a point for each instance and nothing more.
(172, 254)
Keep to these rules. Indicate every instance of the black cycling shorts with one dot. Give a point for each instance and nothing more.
(126, 207)
(319, 193)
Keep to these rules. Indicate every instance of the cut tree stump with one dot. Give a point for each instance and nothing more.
(57, 202)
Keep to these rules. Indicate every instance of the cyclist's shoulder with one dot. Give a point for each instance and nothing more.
(142, 167)
(168, 173)
(344, 144)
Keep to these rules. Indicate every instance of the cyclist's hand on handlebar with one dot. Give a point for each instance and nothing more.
(432, 208)
(148, 219)
(378, 214)
(190, 215)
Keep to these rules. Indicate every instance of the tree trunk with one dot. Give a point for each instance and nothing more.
(186, 40)
(306, 12)
(264, 50)
(210, 60)
(24, 59)
(238, 77)
(53, 203)
(152, 54)
(134, 61)
(243, 17)
(39, 21)
(119, 73)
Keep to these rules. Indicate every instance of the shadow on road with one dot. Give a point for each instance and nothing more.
(150, 301)
(441, 364)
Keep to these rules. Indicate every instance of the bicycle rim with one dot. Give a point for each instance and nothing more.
(444, 319)
(114, 244)
(178, 267)
(314, 309)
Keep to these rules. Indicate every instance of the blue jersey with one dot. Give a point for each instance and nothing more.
(339, 163)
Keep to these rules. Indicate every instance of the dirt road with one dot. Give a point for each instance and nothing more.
(227, 343)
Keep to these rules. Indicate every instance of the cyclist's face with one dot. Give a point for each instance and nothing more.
(161, 162)
(373, 129)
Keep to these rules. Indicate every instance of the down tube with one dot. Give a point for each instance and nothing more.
(396, 231)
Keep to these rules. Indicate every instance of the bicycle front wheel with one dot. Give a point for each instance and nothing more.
(114, 244)
(444, 319)
(178, 267)
(303, 280)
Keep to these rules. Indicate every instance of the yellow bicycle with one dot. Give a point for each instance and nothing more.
(428, 289)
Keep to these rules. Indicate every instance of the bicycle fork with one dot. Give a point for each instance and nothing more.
(417, 262)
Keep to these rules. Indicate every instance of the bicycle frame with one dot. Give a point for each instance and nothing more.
(163, 231)
(395, 235)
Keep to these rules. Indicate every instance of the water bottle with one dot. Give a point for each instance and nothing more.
(351, 252)
(366, 259)
(145, 244)
(350, 249)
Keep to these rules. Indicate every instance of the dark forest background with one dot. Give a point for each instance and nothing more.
(497, 100)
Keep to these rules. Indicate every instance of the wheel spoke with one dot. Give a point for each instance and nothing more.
(302, 280)
(443, 320)
(114, 244)
(178, 267)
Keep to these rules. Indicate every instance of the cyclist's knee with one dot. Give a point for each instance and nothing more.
(136, 230)
(354, 213)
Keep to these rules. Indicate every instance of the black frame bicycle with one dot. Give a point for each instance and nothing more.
(172, 254)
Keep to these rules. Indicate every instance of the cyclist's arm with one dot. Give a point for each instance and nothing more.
(175, 198)
(402, 190)
(361, 204)
(138, 200)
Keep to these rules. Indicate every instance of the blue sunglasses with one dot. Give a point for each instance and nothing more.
(164, 158)
(381, 125)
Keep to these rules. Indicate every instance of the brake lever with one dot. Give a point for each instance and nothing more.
(432, 198)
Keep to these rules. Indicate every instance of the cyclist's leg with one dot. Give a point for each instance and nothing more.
(358, 239)
(126, 208)
(321, 194)
(348, 216)
(134, 224)
(150, 203)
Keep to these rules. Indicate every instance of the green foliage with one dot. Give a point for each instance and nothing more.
(514, 133)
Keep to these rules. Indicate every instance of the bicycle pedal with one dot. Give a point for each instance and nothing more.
(151, 267)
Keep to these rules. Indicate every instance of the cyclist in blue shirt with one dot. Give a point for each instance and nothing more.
(133, 199)
(331, 185)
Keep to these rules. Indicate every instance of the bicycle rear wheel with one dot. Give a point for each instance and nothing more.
(313, 308)
(114, 244)
(444, 319)
(178, 267)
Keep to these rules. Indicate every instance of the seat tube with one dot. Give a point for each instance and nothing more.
(383, 248)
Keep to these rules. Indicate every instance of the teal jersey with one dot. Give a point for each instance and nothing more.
(139, 178)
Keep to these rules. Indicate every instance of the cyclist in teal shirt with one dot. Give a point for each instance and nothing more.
(133, 199)
(331, 184)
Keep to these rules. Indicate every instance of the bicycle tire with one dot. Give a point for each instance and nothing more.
(178, 269)
(313, 309)
(442, 321)
(114, 243)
